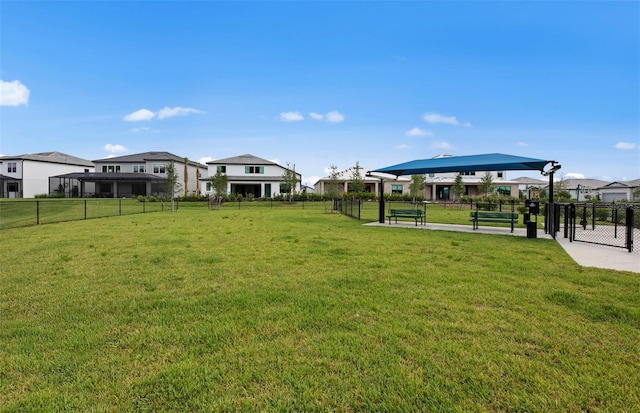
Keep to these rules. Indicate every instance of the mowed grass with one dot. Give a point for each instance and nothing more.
(297, 310)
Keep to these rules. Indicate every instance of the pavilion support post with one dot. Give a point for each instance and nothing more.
(381, 202)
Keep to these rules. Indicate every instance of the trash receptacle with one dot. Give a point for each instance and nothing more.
(532, 229)
(526, 217)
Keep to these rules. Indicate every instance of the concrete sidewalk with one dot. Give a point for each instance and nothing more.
(585, 254)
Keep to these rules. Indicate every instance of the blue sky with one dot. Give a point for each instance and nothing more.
(326, 82)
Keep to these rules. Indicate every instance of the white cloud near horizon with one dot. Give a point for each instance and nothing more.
(625, 146)
(115, 148)
(522, 143)
(435, 118)
(13, 93)
(206, 159)
(311, 181)
(139, 115)
(164, 113)
(316, 116)
(574, 175)
(402, 146)
(418, 132)
(291, 116)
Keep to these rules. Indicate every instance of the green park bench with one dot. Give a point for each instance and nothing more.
(493, 216)
(415, 214)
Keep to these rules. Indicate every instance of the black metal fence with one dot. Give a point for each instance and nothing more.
(348, 207)
(22, 213)
(616, 225)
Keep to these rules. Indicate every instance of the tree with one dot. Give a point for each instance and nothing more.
(416, 186)
(332, 187)
(458, 188)
(186, 176)
(219, 184)
(636, 193)
(486, 184)
(171, 185)
(357, 181)
(289, 181)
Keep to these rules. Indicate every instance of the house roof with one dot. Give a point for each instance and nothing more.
(246, 159)
(51, 157)
(592, 183)
(147, 156)
(621, 184)
(110, 176)
(470, 163)
(525, 180)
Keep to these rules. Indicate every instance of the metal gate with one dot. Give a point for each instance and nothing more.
(609, 224)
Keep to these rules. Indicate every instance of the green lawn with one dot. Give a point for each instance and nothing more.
(292, 309)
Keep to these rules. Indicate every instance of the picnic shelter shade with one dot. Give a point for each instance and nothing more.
(469, 163)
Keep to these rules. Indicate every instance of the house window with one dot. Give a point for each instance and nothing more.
(503, 190)
(139, 169)
(468, 173)
(209, 186)
(111, 168)
(159, 168)
(12, 167)
(222, 169)
(396, 189)
(431, 175)
(254, 169)
(500, 174)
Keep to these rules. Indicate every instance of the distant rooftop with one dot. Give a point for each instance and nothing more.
(51, 157)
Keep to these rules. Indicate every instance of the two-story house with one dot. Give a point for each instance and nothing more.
(248, 174)
(137, 174)
(25, 176)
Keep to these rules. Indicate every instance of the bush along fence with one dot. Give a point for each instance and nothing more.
(610, 224)
(22, 213)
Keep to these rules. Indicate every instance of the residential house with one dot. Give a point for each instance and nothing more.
(344, 183)
(579, 189)
(439, 187)
(247, 174)
(616, 191)
(25, 176)
(138, 174)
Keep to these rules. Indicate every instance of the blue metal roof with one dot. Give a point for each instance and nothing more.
(470, 163)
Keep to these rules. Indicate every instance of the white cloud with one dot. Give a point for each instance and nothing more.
(167, 112)
(626, 145)
(442, 145)
(13, 93)
(142, 129)
(522, 143)
(115, 148)
(206, 159)
(164, 113)
(332, 117)
(402, 146)
(434, 118)
(311, 181)
(574, 175)
(335, 117)
(418, 132)
(291, 116)
(138, 115)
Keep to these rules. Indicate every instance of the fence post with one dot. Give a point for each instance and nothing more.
(37, 212)
(119, 206)
(629, 240)
(85, 209)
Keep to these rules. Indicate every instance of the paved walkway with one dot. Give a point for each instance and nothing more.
(585, 254)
